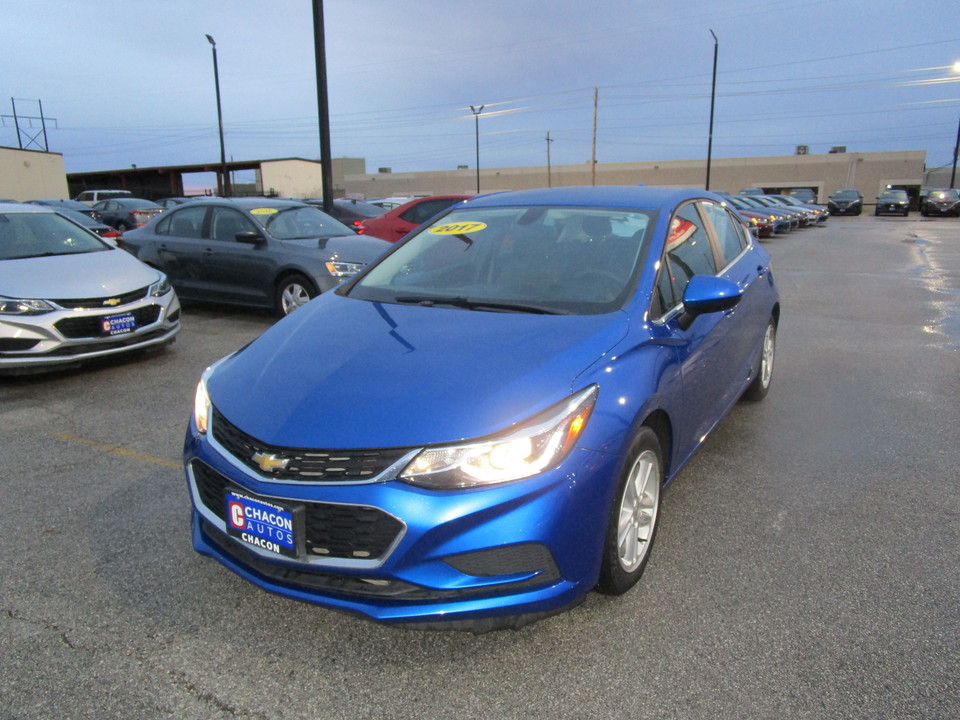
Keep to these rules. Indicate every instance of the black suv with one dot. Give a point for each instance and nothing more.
(941, 202)
(893, 202)
(845, 202)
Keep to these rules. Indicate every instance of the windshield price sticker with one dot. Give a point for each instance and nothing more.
(264, 524)
(458, 228)
(118, 324)
(264, 211)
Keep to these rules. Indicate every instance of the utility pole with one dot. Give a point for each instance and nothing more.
(323, 107)
(593, 157)
(549, 140)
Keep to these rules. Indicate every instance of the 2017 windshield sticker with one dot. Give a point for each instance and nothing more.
(458, 228)
(263, 211)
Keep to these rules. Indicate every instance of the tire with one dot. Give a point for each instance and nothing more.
(293, 291)
(758, 389)
(632, 523)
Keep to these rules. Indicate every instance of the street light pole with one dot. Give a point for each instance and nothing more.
(223, 182)
(713, 95)
(956, 147)
(549, 179)
(476, 117)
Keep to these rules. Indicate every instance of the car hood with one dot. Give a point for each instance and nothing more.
(349, 248)
(345, 373)
(83, 275)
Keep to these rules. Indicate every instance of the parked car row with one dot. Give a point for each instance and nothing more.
(768, 214)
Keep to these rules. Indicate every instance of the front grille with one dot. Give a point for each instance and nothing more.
(355, 532)
(89, 326)
(125, 299)
(309, 465)
(106, 343)
(354, 585)
(17, 344)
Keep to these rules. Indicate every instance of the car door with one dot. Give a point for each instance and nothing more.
(178, 249)
(234, 271)
(703, 345)
(746, 267)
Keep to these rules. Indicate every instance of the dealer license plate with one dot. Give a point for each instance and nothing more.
(118, 324)
(263, 523)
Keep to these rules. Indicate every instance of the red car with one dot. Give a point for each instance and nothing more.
(396, 223)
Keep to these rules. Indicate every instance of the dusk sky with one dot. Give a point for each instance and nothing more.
(131, 82)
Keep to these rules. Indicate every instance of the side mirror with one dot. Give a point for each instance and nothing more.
(250, 237)
(707, 294)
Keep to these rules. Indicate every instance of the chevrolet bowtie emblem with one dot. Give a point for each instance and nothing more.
(111, 302)
(269, 463)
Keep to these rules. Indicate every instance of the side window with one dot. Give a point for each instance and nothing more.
(422, 212)
(227, 222)
(732, 241)
(186, 223)
(688, 253)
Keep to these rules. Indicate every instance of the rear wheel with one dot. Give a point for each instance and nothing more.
(293, 291)
(757, 390)
(632, 524)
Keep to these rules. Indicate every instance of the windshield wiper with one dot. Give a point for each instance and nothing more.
(468, 304)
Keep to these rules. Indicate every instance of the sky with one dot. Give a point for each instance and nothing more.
(131, 82)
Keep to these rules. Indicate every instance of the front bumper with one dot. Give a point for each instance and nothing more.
(481, 558)
(936, 208)
(69, 336)
(891, 209)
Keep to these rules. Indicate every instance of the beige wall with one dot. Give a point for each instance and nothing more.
(304, 178)
(291, 178)
(868, 172)
(31, 175)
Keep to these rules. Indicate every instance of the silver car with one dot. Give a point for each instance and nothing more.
(67, 296)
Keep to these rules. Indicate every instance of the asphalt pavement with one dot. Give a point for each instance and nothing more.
(807, 566)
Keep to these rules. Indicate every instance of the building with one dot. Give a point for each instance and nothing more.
(27, 174)
(31, 174)
(824, 174)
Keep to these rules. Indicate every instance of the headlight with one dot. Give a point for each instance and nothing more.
(161, 287)
(539, 444)
(14, 306)
(343, 269)
(201, 405)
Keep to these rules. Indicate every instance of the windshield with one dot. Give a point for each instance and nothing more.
(25, 235)
(894, 195)
(558, 260)
(944, 194)
(847, 195)
(299, 222)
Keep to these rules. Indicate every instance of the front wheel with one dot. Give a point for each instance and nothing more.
(293, 291)
(632, 524)
(758, 389)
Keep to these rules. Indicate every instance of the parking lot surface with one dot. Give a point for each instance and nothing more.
(808, 562)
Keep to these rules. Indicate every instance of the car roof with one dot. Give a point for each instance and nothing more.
(25, 208)
(603, 196)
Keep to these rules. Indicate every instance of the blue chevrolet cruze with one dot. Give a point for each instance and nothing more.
(475, 431)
